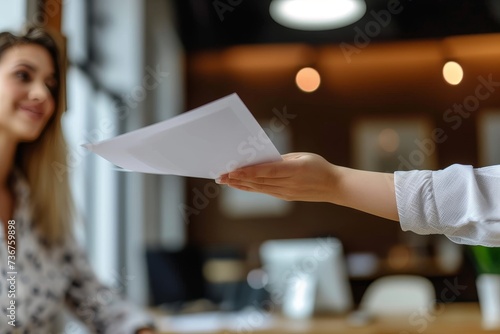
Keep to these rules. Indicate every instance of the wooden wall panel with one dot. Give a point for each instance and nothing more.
(385, 79)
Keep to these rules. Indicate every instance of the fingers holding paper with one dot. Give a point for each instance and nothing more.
(298, 177)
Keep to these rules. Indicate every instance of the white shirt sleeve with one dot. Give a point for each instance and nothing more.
(460, 202)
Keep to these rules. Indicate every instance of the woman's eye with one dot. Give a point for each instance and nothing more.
(23, 75)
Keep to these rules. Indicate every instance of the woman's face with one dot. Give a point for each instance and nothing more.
(27, 83)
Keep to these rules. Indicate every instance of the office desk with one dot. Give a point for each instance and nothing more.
(461, 318)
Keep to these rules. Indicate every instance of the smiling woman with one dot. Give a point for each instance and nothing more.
(36, 205)
(30, 131)
(27, 91)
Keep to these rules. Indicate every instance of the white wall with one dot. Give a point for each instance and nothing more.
(12, 14)
(125, 212)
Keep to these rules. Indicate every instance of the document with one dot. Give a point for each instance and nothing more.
(205, 142)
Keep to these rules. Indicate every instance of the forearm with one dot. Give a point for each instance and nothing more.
(371, 192)
(309, 177)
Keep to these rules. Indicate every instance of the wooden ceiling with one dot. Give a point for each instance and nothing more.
(394, 73)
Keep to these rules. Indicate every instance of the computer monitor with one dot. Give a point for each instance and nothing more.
(307, 276)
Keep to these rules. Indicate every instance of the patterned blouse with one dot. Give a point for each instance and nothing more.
(36, 283)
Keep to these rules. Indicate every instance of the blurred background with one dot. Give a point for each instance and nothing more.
(407, 85)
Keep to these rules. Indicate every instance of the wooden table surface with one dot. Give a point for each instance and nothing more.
(461, 318)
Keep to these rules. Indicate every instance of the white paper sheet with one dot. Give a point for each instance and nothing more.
(205, 142)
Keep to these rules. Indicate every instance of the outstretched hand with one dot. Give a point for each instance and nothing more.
(299, 177)
(309, 177)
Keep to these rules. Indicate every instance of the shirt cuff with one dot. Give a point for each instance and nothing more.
(415, 201)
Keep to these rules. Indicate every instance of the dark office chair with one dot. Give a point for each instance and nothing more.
(175, 277)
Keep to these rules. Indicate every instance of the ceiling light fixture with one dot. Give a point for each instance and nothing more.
(308, 79)
(316, 14)
(453, 73)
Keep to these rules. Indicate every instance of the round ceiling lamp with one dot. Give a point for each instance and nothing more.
(317, 14)
(308, 79)
(453, 73)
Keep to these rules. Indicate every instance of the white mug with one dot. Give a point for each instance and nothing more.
(488, 291)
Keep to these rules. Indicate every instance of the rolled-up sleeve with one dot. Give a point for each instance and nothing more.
(460, 202)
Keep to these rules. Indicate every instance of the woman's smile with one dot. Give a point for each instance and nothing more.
(34, 112)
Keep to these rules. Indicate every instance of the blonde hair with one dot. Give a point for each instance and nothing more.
(50, 195)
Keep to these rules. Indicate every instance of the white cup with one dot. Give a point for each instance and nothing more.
(488, 291)
(300, 295)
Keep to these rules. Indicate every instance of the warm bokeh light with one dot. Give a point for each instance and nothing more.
(453, 73)
(308, 79)
(388, 139)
